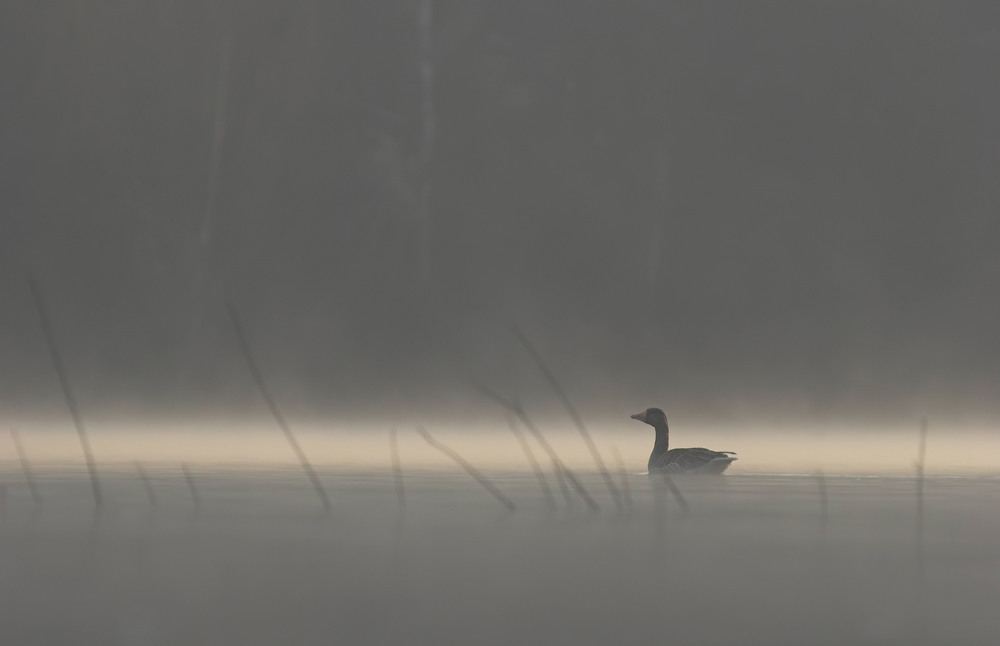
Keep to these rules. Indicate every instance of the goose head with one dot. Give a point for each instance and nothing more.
(652, 416)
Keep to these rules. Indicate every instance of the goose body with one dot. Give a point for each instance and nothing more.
(677, 461)
(690, 461)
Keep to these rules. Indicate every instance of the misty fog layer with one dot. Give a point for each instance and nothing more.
(720, 208)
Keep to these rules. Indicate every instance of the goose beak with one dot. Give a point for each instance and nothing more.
(640, 416)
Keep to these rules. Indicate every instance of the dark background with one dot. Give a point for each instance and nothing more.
(735, 210)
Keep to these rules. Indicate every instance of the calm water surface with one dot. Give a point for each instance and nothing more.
(757, 560)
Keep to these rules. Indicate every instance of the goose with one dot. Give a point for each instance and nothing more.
(680, 460)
